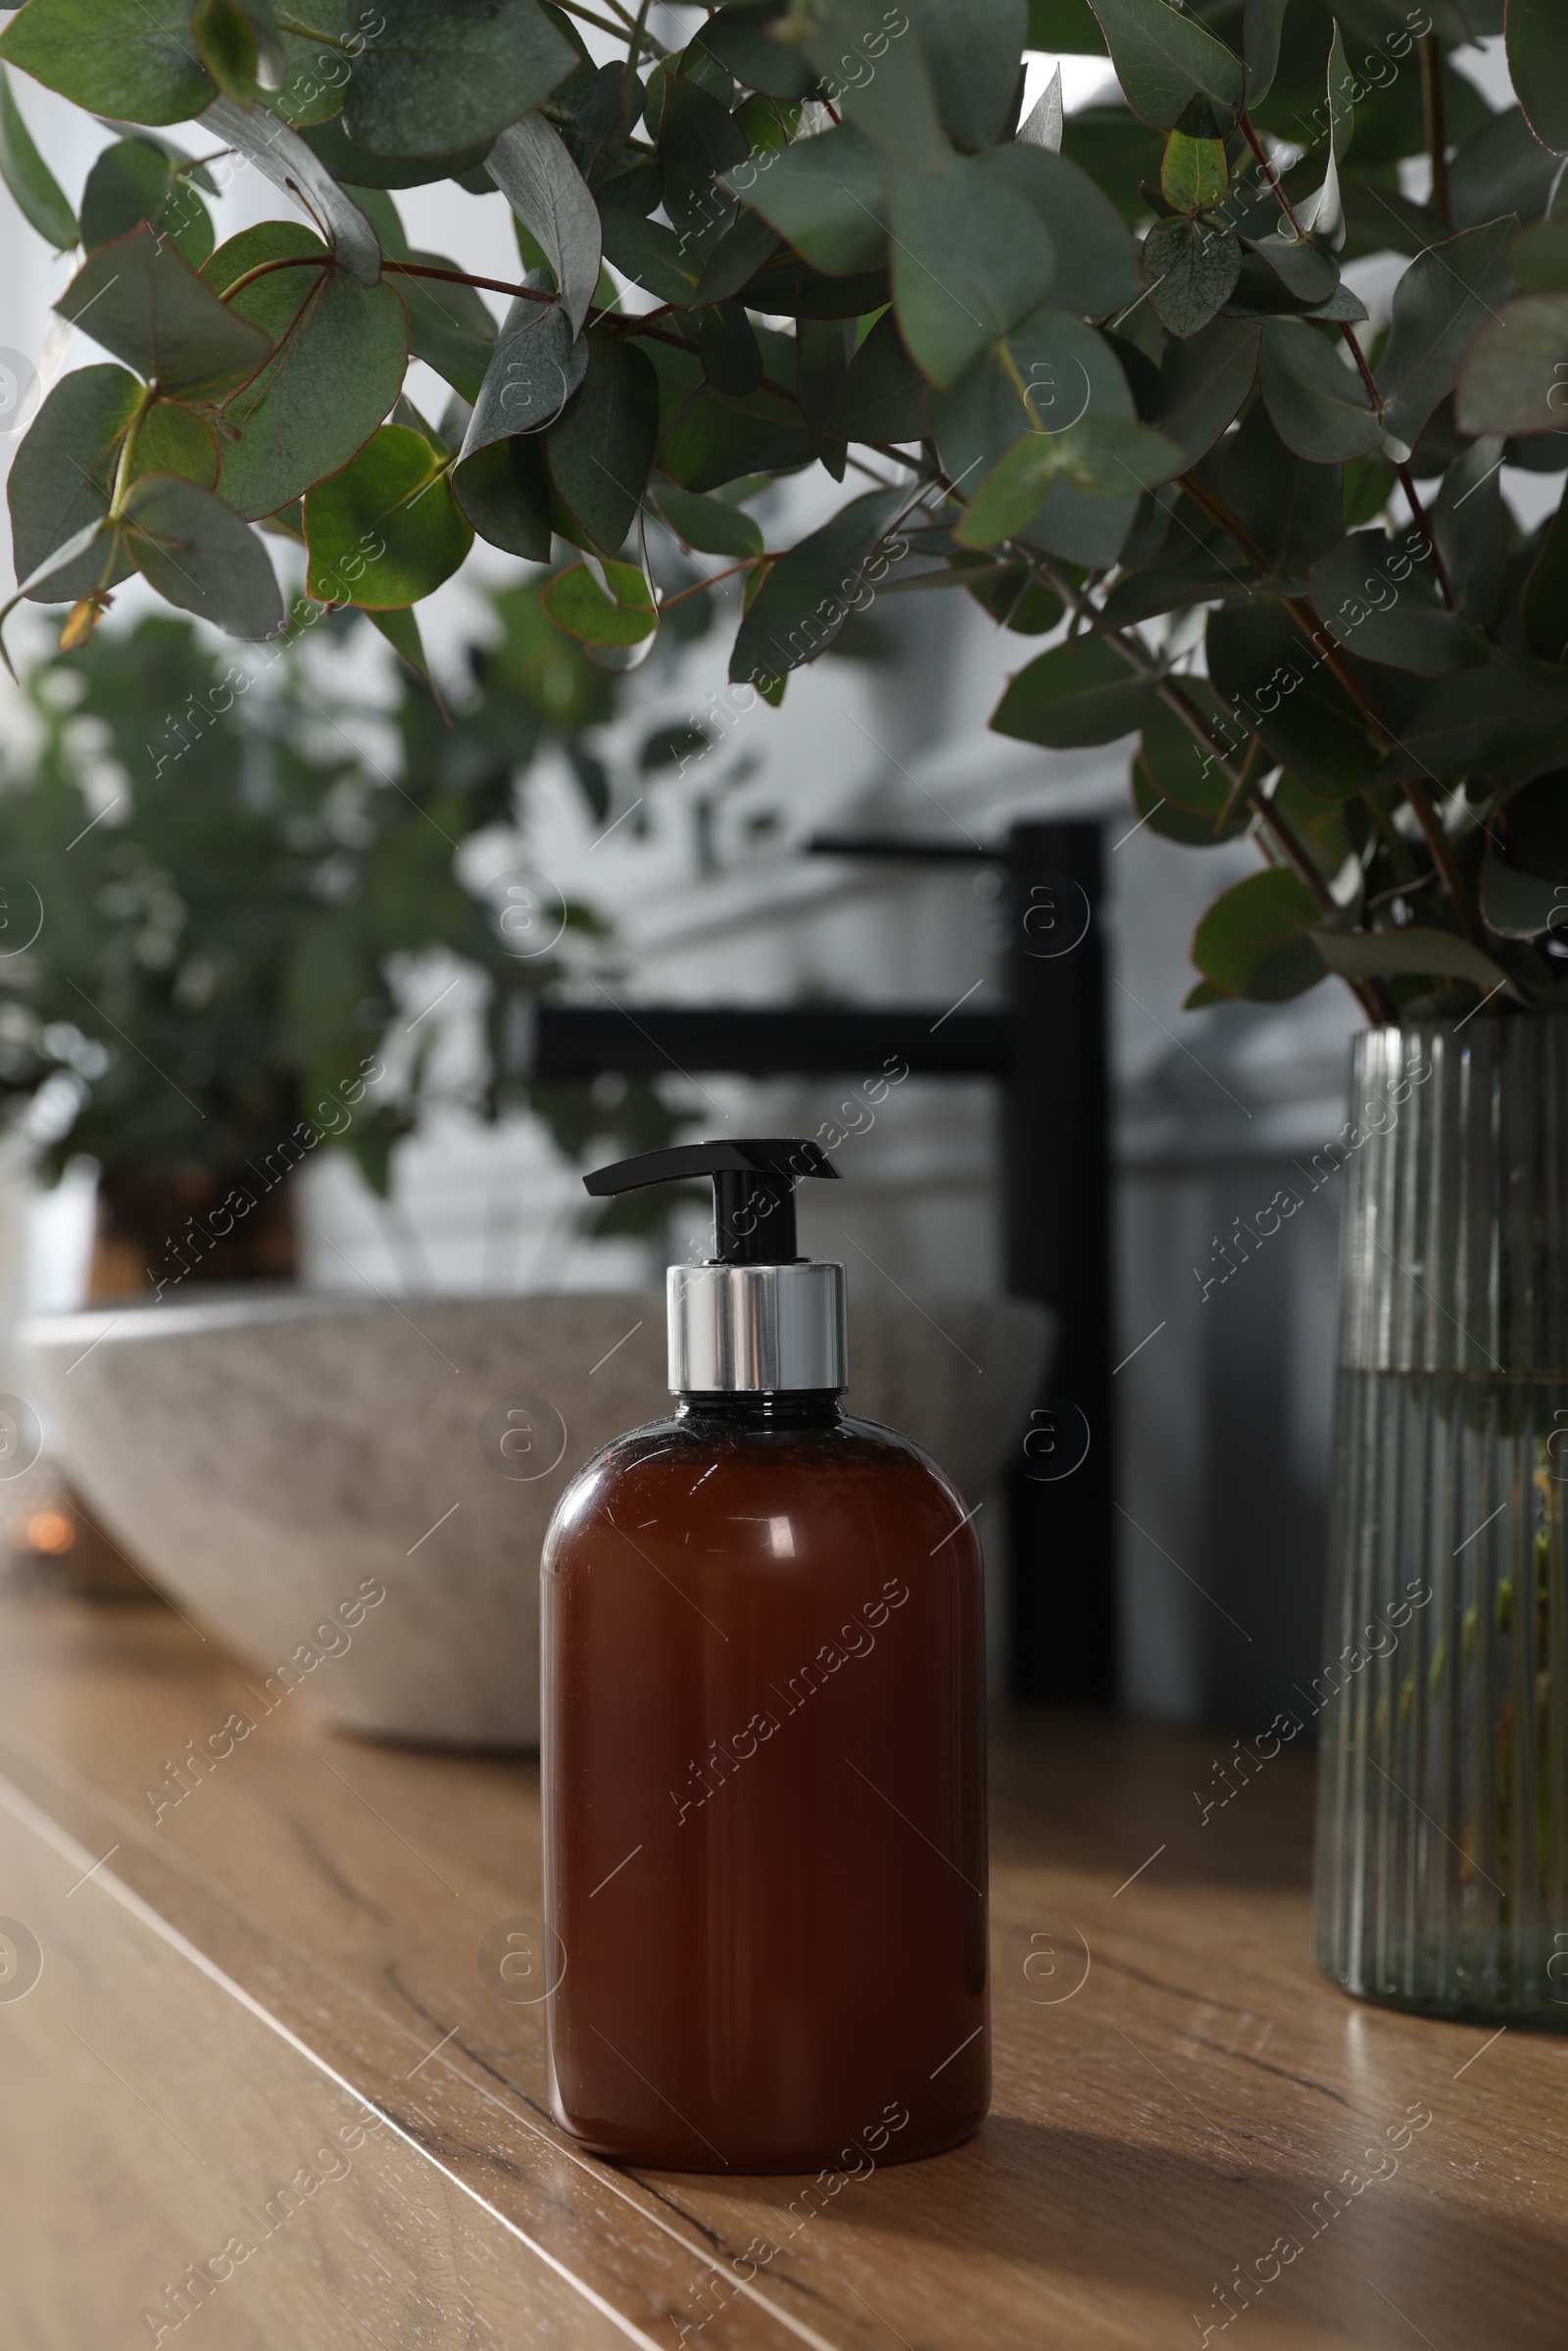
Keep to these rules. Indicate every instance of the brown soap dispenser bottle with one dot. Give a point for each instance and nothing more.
(764, 1740)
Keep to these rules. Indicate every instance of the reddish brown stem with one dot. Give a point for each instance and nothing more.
(1437, 125)
(1271, 176)
(460, 278)
(1442, 849)
(1440, 568)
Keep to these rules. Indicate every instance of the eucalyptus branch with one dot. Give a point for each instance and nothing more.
(1276, 189)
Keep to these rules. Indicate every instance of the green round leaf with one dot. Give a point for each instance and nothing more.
(62, 476)
(174, 440)
(1320, 406)
(710, 525)
(1537, 64)
(1074, 694)
(1192, 174)
(132, 59)
(826, 195)
(447, 74)
(142, 301)
(577, 603)
(340, 351)
(1259, 940)
(970, 259)
(601, 448)
(227, 39)
(37, 192)
(134, 180)
(504, 492)
(196, 552)
(387, 530)
(1191, 269)
(1165, 60)
(1514, 377)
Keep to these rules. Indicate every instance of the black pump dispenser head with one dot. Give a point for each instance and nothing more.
(753, 1190)
(755, 1317)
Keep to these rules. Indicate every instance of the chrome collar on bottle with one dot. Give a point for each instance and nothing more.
(757, 1327)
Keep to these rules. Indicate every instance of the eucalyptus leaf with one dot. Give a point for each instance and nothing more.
(806, 596)
(1042, 127)
(135, 180)
(1104, 457)
(617, 609)
(708, 439)
(1444, 298)
(1191, 269)
(970, 259)
(226, 39)
(134, 59)
(62, 476)
(1097, 262)
(598, 452)
(199, 555)
(1180, 785)
(1319, 406)
(1520, 905)
(445, 73)
(1511, 714)
(739, 36)
(826, 195)
(1538, 67)
(1413, 953)
(1377, 596)
(1500, 169)
(1514, 379)
(1203, 379)
(385, 531)
(872, 67)
(1278, 686)
(358, 168)
(1471, 529)
(1067, 370)
(711, 524)
(148, 307)
(652, 255)
(401, 629)
(883, 394)
(281, 156)
(973, 49)
(1257, 938)
(504, 491)
(1165, 60)
(1262, 31)
(732, 264)
(545, 189)
(1543, 606)
(339, 353)
(535, 370)
(37, 193)
(732, 357)
(1288, 505)
(1074, 695)
(1193, 176)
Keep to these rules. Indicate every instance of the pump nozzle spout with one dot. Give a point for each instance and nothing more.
(753, 1190)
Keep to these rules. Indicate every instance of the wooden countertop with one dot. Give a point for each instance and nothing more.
(229, 1994)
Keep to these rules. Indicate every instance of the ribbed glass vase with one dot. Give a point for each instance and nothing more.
(1442, 1872)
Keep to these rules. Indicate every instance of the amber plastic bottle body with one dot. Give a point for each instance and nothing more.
(764, 1795)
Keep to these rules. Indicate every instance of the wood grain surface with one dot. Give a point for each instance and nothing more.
(268, 2057)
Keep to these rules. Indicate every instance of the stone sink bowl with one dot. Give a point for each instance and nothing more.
(272, 1461)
